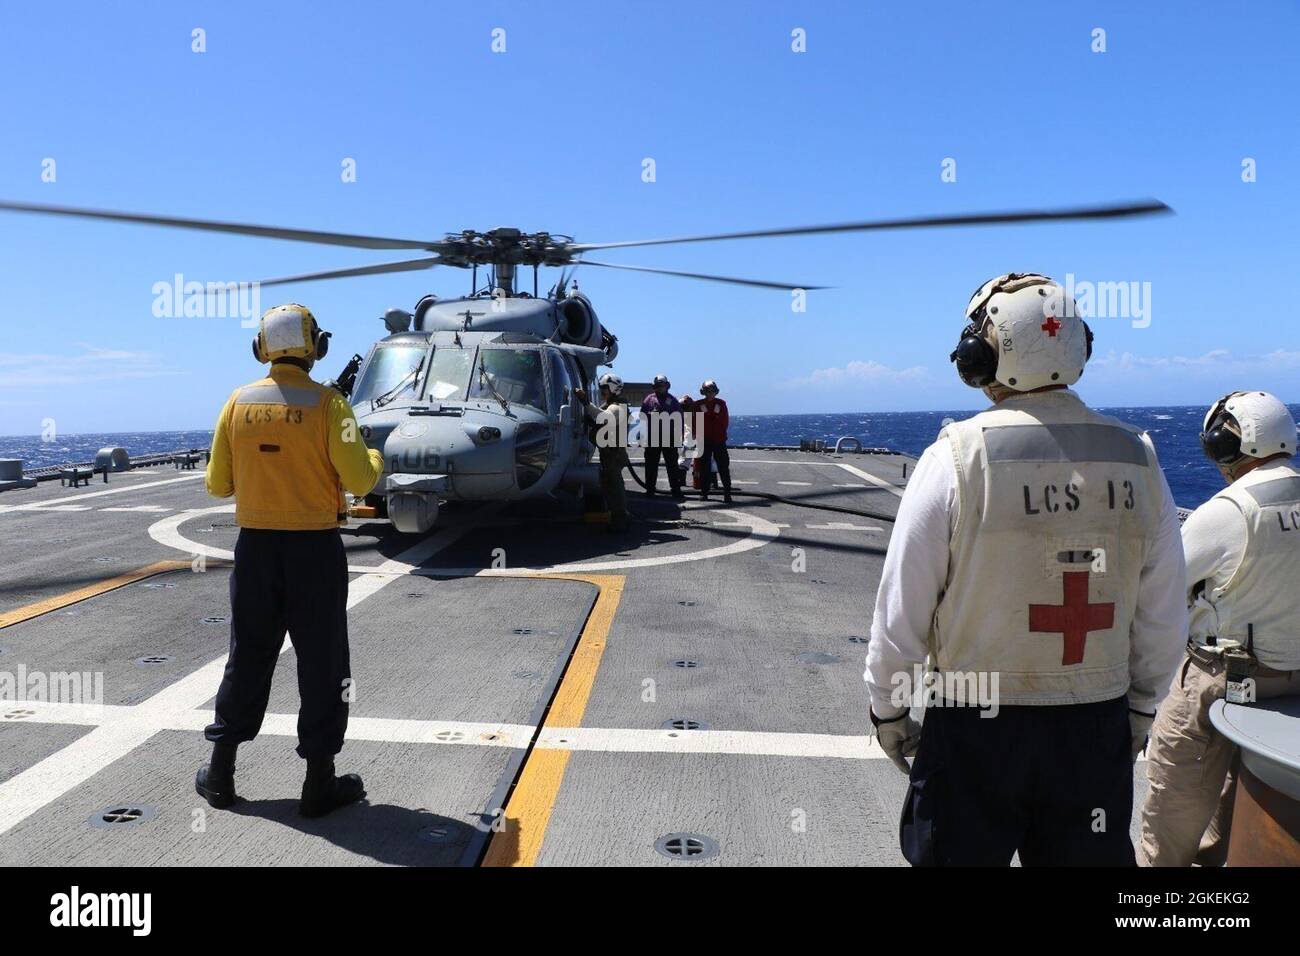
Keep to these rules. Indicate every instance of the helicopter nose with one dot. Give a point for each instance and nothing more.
(471, 454)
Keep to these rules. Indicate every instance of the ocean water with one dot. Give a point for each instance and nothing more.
(1174, 430)
(1192, 478)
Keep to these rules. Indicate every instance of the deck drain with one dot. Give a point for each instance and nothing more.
(123, 814)
(522, 630)
(449, 736)
(686, 663)
(859, 639)
(106, 558)
(527, 675)
(158, 584)
(435, 834)
(686, 603)
(686, 846)
(684, 723)
(152, 660)
(817, 657)
(215, 619)
(19, 714)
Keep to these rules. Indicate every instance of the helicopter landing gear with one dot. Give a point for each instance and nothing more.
(413, 512)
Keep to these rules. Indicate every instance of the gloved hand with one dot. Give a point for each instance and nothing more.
(899, 737)
(1139, 726)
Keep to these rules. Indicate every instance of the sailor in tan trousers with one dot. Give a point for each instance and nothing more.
(1243, 578)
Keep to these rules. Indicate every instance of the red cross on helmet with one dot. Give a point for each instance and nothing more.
(1024, 331)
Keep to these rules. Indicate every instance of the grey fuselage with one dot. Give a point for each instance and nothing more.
(478, 402)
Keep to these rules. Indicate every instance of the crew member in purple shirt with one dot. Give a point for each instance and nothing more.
(661, 428)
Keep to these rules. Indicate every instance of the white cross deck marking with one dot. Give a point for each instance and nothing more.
(141, 509)
(804, 484)
(892, 488)
(842, 526)
(516, 736)
(49, 505)
(481, 734)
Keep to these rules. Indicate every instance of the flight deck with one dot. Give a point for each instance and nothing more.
(528, 688)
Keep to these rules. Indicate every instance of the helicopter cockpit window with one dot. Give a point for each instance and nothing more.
(448, 373)
(560, 391)
(391, 371)
(513, 375)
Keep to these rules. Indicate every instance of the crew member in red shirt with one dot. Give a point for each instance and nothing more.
(713, 439)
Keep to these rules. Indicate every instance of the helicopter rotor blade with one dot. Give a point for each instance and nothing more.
(209, 225)
(786, 286)
(1117, 211)
(406, 265)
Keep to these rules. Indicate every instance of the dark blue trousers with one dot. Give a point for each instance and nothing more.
(1052, 783)
(295, 581)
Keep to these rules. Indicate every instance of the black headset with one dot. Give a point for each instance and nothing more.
(1220, 443)
(975, 358)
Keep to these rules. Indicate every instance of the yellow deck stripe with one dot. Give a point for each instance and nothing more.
(528, 810)
(49, 604)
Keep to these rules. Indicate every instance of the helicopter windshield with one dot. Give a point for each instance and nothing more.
(448, 372)
(515, 374)
(391, 369)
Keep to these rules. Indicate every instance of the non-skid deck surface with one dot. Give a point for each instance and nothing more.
(528, 689)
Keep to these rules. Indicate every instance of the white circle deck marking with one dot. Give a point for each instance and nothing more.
(167, 532)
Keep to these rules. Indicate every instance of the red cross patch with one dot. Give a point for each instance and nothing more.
(1073, 618)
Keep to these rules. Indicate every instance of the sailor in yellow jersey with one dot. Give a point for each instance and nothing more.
(287, 448)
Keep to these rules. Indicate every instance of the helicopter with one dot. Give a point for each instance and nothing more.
(477, 397)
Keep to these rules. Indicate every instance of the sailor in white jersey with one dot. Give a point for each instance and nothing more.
(1243, 585)
(1036, 563)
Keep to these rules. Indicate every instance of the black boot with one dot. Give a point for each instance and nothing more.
(215, 783)
(323, 791)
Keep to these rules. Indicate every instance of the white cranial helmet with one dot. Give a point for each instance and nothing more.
(1036, 334)
(612, 382)
(1264, 427)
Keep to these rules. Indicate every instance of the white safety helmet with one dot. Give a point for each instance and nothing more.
(1247, 424)
(661, 379)
(612, 382)
(290, 331)
(1023, 331)
(709, 385)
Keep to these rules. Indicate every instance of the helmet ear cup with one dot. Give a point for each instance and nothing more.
(1221, 444)
(976, 360)
(1087, 331)
(322, 343)
(257, 348)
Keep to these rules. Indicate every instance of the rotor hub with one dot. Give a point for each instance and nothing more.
(505, 245)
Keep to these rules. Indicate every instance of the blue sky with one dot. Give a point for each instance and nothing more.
(745, 134)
